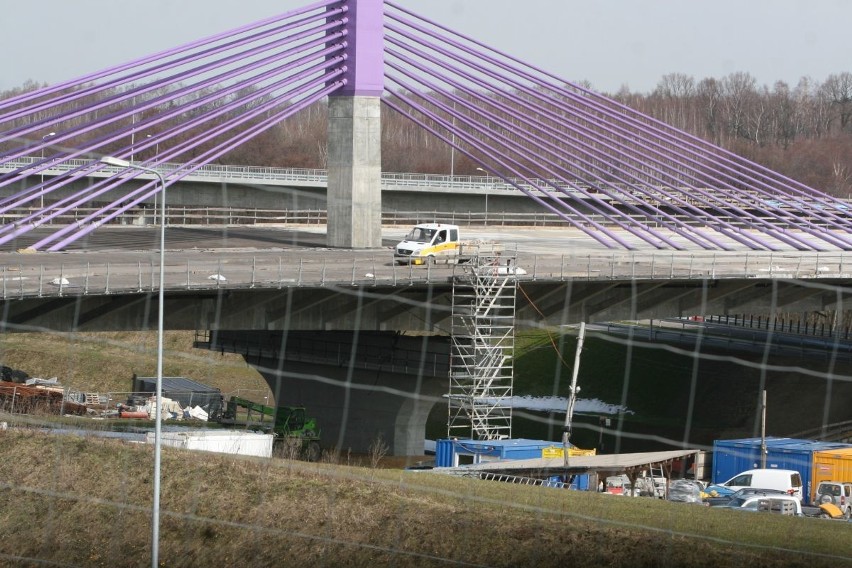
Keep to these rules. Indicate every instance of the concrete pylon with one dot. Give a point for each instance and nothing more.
(354, 134)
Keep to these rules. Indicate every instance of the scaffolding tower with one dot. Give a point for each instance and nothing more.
(483, 343)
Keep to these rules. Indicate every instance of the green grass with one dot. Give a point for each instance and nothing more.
(657, 394)
(656, 383)
(85, 502)
(106, 362)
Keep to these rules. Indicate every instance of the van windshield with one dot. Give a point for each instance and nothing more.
(420, 235)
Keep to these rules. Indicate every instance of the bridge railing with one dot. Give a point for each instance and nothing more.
(179, 215)
(390, 180)
(81, 274)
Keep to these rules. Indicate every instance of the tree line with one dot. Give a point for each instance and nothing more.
(802, 131)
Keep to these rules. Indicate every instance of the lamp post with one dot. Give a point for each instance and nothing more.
(487, 179)
(43, 139)
(156, 154)
(158, 420)
(453, 146)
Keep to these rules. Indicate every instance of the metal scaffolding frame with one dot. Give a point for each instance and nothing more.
(483, 343)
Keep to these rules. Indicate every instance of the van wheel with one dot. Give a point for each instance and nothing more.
(430, 260)
(848, 513)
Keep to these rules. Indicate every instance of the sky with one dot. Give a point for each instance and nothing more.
(610, 43)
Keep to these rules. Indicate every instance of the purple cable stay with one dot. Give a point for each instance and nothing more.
(538, 111)
(619, 176)
(592, 159)
(190, 105)
(99, 188)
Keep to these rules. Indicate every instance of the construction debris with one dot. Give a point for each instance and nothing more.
(15, 397)
(25, 395)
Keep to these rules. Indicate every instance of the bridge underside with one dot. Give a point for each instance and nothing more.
(361, 387)
(420, 308)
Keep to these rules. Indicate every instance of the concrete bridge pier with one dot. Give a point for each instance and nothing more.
(354, 173)
(356, 407)
(354, 133)
(359, 385)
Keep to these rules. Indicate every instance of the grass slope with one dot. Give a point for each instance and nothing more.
(654, 381)
(82, 502)
(106, 362)
(657, 382)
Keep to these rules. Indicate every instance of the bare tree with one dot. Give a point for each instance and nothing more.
(838, 91)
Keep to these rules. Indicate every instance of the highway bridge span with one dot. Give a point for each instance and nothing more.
(254, 290)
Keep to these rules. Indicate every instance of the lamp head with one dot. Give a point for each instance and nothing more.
(111, 161)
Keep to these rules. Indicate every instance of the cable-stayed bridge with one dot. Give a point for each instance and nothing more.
(624, 181)
(603, 168)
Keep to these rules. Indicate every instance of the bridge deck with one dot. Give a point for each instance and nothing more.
(125, 259)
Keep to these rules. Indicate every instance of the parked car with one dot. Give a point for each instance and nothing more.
(742, 493)
(780, 504)
(787, 480)
(835, 493)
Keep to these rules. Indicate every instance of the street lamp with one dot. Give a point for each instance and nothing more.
(453, 145)
(487, 179)
(156, 154)
(158, 420)
(43, 139)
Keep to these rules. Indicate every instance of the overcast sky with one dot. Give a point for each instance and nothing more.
(610, 43)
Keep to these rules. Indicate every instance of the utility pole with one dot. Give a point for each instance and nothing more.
(763, 450)
(572, 396)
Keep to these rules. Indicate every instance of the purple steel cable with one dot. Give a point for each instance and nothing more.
(118, 82)
(176, 110)
(480, 145)
(220, 109)
(768, 229)
(169, 98)
(673, 132)
(155, 85)
(165, 54)
(557, 119)
(204, 158)
(541, 143)
(612, 235)
(211, 133)
(715, 152)
(489, 48)
(63, 206)
(325, 63)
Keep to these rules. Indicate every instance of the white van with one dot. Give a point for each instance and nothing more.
(787, 480)
(428, 242)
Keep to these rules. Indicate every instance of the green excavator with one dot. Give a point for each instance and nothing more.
(296, 435)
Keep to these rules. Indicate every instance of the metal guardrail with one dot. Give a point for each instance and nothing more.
(81, 274)
(192, 215)
(224, 216)
(655, 195)
(301, 175)
(837, 431)
(781, 325)
(734, 338)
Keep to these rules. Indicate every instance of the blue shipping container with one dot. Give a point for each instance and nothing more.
(731, 457)
(511, 449)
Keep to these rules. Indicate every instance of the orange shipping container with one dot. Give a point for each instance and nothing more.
(831, 465)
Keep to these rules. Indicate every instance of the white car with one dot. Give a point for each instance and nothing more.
(783, 504)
